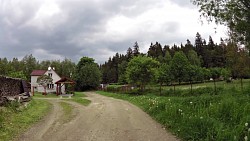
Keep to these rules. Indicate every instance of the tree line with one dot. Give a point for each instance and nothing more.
(185, 63)
(85, 73)
(22, 68)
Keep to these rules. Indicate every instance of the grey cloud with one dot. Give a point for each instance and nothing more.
(70, 38)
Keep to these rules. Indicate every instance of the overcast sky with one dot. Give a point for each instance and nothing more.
(55, 29)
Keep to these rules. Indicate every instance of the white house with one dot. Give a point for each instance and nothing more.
(51, 88)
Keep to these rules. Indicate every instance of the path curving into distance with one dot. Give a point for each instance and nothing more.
(105, 119)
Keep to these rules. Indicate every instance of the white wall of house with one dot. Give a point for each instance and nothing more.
(52, 88)
(34, 83)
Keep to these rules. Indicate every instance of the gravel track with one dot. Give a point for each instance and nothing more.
(105, 119)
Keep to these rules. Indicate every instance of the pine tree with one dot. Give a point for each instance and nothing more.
(129, 54)
(211, 44)
(158, 50)
(136, 50)
(188, 47)
(151, 51)
(199, 44)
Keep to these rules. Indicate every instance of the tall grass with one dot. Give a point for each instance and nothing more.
(203, 116)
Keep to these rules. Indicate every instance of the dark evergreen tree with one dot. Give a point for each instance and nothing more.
(129, 54)
(151, 51)
(166, 48)
(188, 47)
(136, 50)
(199, 44)
(158, 50)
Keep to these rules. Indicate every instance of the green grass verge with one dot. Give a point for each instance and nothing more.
(79, 100)
(39, 95)
(114, 86)
(79, 94)
(201, 118)
(15, 121)
(67, 111)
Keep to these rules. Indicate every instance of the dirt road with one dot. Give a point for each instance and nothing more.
(105, 119)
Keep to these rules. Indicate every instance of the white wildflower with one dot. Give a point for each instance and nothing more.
(245, 138)
(246, 124)
(201, 117)
(191, 102)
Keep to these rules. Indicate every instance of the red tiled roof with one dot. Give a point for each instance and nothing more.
(37, 72)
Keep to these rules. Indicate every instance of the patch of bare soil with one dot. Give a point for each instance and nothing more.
(105, 119)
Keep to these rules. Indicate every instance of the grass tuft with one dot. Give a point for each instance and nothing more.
(67, 112)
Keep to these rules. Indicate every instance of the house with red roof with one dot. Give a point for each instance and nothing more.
(51, 88)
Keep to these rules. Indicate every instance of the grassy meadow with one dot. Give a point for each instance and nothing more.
(201, 115)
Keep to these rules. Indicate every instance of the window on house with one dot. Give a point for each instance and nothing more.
(50, 86)
(50, 74)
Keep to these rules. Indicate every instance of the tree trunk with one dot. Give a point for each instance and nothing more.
(191, 87)
(44, 90)
(215, 87)
(160, 87)
(241, 84)
(174, 89)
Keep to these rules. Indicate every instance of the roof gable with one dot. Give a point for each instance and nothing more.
(65, 80)
(37, 72)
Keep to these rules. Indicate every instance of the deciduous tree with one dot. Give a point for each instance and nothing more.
(164, 75)
(87, 74)
(44, 80)
(215, 74)
(141, 70)
(179, 66)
